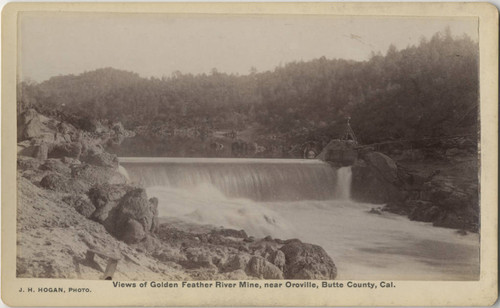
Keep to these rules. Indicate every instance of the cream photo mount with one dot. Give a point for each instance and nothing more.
(74, 292)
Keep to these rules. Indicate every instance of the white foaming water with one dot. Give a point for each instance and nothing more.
(253, 196)
(343, 187)
(205, 204)
(123, 172)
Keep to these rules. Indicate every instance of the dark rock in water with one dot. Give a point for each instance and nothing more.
(68, 149)
(383, 164)
(258, 267)
(422, 210)
(396, 208)
(56, 165)
(428, 214)
(81, 204)
(375, 181)
(132, 231)
(377, 211)
(29, 125)
(450, 220)
(61, 183)
(307, 261)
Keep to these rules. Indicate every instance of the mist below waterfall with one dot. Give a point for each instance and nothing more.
(309, 200)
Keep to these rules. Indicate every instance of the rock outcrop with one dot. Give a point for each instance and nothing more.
(446, 199)
(237, 257)
(307, 261)
(375, 179)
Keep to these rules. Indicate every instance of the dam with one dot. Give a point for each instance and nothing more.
(309, 200)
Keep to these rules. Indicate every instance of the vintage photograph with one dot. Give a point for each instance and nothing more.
(205, 147)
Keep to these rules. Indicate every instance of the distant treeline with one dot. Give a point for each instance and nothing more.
(425, 90)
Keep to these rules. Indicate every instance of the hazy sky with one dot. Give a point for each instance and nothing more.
(158, 44)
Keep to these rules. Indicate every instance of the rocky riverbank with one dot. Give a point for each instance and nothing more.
(437, 184)
(72, 198)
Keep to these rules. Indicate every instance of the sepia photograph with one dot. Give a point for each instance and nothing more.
(209, 147)
(247, 150)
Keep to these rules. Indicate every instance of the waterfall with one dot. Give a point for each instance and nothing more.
(256, 179)
(343, 187)
(123, 172)
(309, 200)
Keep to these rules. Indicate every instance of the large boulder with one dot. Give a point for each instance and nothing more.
(368, 185)
(422, 210)
(65, 149)
(307, 261)
(339, 152)
(61, 183)
(382, 163)
(29, 125)
(105, 198)
(136, 206)
(132, 231)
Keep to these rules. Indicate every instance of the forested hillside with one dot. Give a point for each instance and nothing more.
(421, 91)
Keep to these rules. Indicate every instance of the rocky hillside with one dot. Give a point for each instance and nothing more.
(72, 198)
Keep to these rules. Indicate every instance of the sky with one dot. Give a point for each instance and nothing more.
(60, 43)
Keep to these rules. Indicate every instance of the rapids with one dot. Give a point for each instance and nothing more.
(309, 200)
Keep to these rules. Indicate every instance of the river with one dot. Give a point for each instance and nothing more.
(309, 200)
